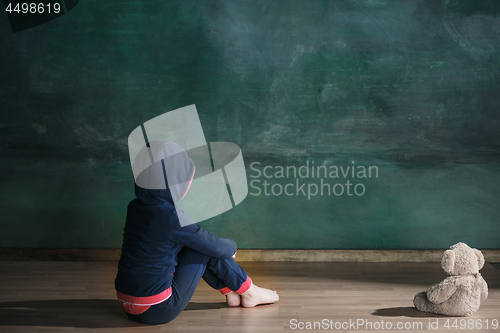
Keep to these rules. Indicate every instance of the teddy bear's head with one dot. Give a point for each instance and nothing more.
(460, 259)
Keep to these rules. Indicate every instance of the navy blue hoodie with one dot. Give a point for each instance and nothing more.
(153, 236)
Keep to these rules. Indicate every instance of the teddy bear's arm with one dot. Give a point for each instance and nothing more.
(440, 292)
(484, 289)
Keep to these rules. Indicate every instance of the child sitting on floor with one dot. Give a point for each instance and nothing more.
(161, 261)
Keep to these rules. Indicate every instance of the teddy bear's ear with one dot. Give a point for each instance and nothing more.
(480, 258)
(448, 261)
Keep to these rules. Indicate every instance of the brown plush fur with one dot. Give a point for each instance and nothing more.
(461, 293)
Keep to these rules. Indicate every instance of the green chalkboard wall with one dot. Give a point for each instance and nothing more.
(408, 88)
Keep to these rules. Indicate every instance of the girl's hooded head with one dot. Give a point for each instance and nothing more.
(167, 173)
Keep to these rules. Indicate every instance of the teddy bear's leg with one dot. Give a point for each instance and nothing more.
(422, 303)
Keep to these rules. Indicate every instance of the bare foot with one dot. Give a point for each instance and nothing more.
(233, 299)
(256, 295)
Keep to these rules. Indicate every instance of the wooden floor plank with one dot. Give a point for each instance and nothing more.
(79, 297)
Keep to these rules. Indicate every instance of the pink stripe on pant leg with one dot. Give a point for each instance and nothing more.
(225, 291)
(245, 286)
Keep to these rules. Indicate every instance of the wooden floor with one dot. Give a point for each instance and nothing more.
(38, 296)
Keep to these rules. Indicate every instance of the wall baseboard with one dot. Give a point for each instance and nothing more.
(20, 254)
(352, 255)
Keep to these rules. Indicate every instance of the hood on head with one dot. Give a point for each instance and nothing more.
(167, 172)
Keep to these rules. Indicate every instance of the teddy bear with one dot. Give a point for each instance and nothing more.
(461, 293)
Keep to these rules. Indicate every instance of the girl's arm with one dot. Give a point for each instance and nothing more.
(194, 237)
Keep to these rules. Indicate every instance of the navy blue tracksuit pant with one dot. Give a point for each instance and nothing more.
(220, 274)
